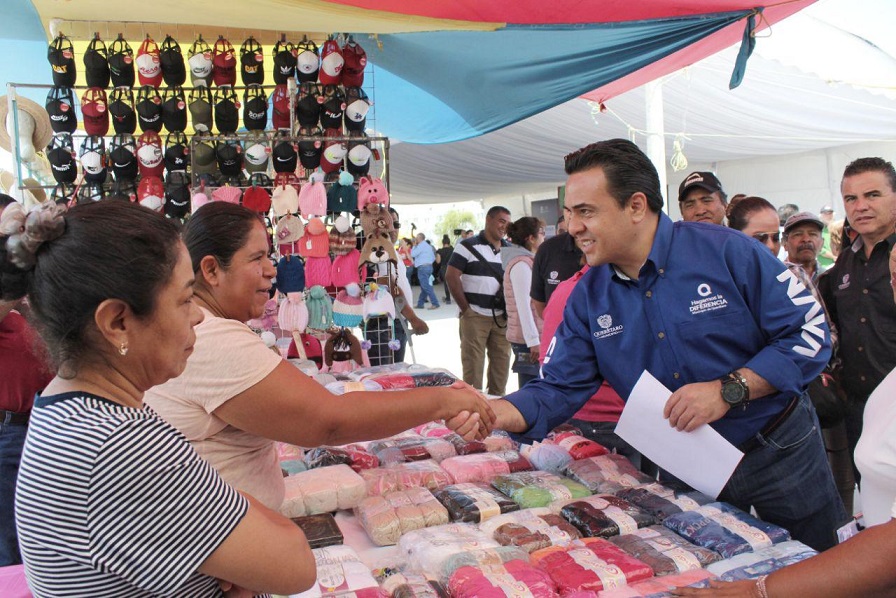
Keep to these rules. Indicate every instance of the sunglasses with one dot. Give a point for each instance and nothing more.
(764, 237)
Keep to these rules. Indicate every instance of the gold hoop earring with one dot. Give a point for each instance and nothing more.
(123, 349)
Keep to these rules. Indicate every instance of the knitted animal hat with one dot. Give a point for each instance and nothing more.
(343, 346)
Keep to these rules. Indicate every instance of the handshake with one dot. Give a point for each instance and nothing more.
(468, 412)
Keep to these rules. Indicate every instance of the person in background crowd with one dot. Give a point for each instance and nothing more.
(111, 499)
(701, 198)
(786, 211)
(561, 225)
(468, 233)
(803, 241)
(863, 565)
(444, 253)
(236, 397)
(523, 324)
(424, 257)
(757, 218)
(475, 277)
(556, 260)
(24, 372)
(741, 365)
(826, 257)
(856, 289)
(404, 254)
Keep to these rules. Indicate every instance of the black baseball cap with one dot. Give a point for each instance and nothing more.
(704, 180)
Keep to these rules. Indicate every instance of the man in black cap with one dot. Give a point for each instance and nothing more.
(802, 242)
(701, 198)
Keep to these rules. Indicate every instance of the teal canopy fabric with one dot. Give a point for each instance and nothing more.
(461, 84)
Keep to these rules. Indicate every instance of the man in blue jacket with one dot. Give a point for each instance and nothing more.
(712, 315)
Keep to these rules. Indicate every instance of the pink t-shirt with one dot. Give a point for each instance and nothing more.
(606, 404)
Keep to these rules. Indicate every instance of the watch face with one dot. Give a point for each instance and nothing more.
(733, 392)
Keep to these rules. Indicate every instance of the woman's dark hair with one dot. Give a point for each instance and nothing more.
(110, 249)
(446, 240)
(218, 229)
(523, 228)
(739, 211)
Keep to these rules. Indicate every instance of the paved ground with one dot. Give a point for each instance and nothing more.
(441, 347)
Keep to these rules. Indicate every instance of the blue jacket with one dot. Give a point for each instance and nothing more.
(707, 301)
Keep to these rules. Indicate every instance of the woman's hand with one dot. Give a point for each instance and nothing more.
(534, 353)
(471, 415)
(734, 589)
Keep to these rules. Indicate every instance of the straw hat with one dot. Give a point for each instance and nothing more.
(43, 132)
(33, 192)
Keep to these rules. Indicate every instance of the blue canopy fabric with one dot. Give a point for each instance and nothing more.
(487, 80)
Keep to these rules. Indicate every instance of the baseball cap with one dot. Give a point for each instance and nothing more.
(149, 109)
(223, 63)
(284, 61)
(94, 109)
(200, 61)
(310, 147)
(121, 63)
(61, 55)
(60, 106)
(201, 108)
(355, 60)
(333, 108)
(121, 108)
(174, 72)
(174, 109)
(255, 109)
(251, 62)
(331, 63)
(96, 64)
(257, 154)
(227, 115)
(802, 218)
(149, 67)
(123, 157)
(203, 152)
(177, 150)
(307, 61)
(704, 180)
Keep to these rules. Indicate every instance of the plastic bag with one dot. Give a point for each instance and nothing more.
(750, 565)
(340, 571)
(607, 474)
(515, 578)
(427, 550)
(385, 518)
(660, 587)
(606, 515)
(473, 502)
(578, 446)
(322, 490)
(590, 564)
(666, 552)
(411, 585)
(725, 529)
(484, 467)
(426, 474)
(320, 530)
(538, 488)
(662, 501)
(531, 529)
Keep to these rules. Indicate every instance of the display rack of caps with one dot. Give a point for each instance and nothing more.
(148, 86)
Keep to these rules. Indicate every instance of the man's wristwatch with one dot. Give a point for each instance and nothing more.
(735, 391)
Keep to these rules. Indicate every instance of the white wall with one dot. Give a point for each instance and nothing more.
(809, 179)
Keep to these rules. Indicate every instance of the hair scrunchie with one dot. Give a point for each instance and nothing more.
(43, 224)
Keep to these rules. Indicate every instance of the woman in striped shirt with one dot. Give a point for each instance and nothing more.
(111, 500)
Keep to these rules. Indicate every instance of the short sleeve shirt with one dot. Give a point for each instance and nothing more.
(556, 260)
(228, 358)
(113, 501)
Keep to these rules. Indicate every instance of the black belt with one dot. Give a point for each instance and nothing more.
(13, 417)
(752, 443)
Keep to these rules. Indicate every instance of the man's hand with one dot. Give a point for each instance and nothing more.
(476, 421)
(696, 404)
(418, 326)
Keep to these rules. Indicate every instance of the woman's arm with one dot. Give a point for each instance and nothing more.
(289, 406)
(862, 566)
(266, 552)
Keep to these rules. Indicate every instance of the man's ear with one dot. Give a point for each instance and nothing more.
(637, 206)
(113, 318)
(209, 270)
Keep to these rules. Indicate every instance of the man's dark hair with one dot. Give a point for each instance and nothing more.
(495, 210)
(5, 200)
(626, 168)
(786, 211)
(863, 165)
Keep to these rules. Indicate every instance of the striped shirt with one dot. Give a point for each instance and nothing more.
(113, 501)
(478, 277)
